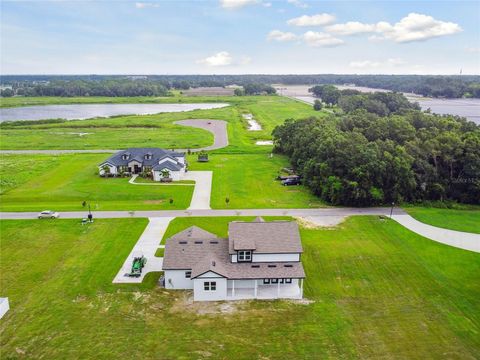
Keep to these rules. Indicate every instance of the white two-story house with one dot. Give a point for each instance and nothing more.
(259, 260)
(159, 162)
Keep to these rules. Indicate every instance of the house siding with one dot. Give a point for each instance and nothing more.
(270, 257)
(175, 279)
(199, 293)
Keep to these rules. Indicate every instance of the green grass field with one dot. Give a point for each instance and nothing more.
(378, 291)
(157, 130)
(460, 220)
(63, 182)
(249, 182)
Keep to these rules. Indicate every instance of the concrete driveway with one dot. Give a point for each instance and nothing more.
(147, 245)
(203, 189)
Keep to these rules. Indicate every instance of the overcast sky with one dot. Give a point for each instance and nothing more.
(239, 36)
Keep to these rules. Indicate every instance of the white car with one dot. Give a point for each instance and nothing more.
(48, 214)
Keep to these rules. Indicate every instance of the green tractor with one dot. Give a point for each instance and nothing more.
(137, 265)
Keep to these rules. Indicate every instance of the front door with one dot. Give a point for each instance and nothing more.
(137, 169)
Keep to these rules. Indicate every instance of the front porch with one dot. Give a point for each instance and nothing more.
(236, 290)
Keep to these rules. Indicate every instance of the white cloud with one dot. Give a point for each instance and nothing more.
(350, 28)
(313, 38)
(369, 64)
(235, 4)
(221, 58)
(313, 20)
(472, 49)
(413, 27)
(267, 4)
(298, 3)
(143, 5)
(277, 35)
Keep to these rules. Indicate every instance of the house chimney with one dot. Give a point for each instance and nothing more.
(213, 263)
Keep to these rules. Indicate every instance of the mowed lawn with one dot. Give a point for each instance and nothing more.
(460, 220)
(156, 130)
(378, 291)
(248, 181)
(63, 182)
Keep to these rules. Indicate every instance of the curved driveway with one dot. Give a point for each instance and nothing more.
(217, 127)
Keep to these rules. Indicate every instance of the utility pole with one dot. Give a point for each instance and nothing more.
(391, 210)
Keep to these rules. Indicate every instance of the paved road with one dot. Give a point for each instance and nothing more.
(457, 239)
(204, 212)
(217, 127)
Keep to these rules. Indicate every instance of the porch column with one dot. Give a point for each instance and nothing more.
(233, 288)
(301, 288)
(255, 292)
(278, 288)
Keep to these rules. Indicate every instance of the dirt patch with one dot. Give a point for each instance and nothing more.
(318, 222)
(154, 202)
(184, 303)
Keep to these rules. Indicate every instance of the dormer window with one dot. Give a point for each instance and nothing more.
(148, 156)
(244, 256)
(125, 156)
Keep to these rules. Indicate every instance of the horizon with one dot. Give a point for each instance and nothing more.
(239, 37)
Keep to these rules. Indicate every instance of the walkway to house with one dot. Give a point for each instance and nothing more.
(201, 192)
(147, 246)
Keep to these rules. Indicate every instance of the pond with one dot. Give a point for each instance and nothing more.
(88, 111)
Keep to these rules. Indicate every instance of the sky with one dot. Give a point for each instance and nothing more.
(239, 37)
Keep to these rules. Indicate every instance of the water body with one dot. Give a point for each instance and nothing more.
(468, 108)
(253, 125)
(88, 111)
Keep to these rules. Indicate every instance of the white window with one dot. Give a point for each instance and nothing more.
(188, 274)
(266, 281)
(244, 256)
(288, 281)
(210, 285)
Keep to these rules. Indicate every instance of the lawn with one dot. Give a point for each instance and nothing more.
(378, 291)
(158, 130)
(248, 181)
(460, 220)
(63, 182)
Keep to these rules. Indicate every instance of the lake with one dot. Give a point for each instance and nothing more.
(469, 108)
(88, 111)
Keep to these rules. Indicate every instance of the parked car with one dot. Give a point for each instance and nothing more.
(286, 177)
(291, 181)
(48, 214)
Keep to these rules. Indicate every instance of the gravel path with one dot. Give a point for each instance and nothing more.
(217, 127)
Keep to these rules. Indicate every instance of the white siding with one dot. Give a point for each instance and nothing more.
(113, 169)
(241, 284)
(270, 257)
(175, 279)
(175, 175)
(181, 160)
(199, 294)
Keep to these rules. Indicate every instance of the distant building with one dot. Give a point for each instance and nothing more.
(259, 260)
(137, 160)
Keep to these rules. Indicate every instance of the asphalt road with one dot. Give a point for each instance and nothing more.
(185, 213)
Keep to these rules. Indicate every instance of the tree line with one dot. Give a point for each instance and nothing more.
(453, 86)
(362, 158)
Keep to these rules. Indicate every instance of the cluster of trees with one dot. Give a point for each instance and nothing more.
(363, 159)
(380, 103)
(255, 89)
(435, 86)
(88, 88)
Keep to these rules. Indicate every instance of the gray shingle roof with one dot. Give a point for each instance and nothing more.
(200, 251)
(139, 155)
(264, 237)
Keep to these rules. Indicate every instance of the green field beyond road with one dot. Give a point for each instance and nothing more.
(376, 291)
